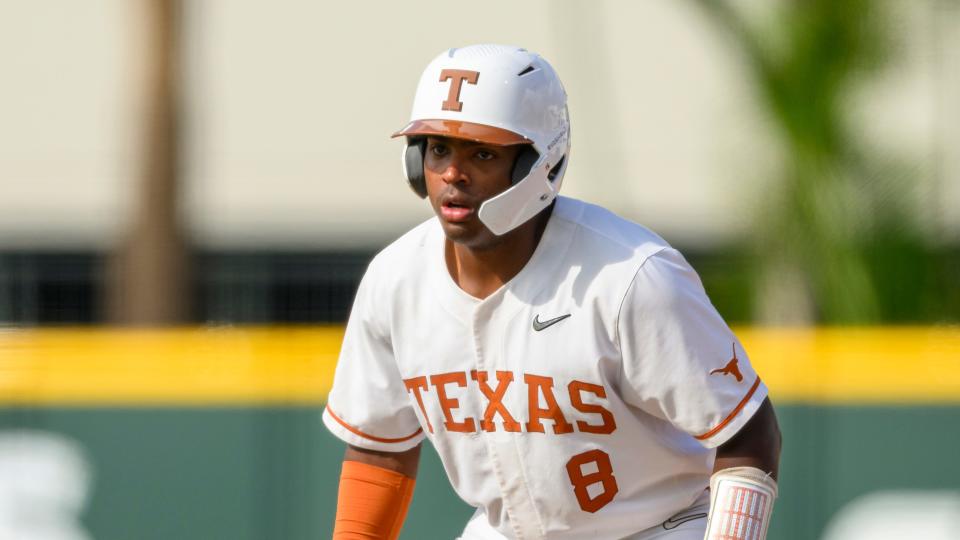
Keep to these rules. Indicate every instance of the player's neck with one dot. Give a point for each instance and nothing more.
(480, 272)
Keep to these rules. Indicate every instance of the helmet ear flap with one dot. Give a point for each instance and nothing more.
(524, 162)
(413, 165)
(557, 169)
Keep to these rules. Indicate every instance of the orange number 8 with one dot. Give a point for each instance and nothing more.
(603, 474)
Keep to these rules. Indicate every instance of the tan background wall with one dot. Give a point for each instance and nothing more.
(290, 105)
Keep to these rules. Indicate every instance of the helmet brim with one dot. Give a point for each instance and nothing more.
(468, 131)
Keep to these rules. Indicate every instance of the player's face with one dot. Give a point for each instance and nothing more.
(460, 176)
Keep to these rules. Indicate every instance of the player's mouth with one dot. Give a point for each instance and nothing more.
(456, 211)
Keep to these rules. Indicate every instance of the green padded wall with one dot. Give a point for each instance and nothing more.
(248, 473)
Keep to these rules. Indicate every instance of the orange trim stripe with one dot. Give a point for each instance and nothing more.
(736, 410)
(356, 431)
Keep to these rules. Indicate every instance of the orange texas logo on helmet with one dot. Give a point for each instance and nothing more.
(456, 78)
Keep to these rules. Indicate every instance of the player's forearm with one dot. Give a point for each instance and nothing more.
(405, 463)
(756, 445)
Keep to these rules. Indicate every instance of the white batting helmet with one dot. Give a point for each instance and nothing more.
(500, 95)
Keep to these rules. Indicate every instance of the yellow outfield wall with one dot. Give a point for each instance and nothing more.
(295, 365)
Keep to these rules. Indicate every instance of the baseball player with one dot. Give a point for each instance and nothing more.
(565, 363)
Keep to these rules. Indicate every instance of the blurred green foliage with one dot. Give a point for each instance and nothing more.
(729, 276)
(843, 215)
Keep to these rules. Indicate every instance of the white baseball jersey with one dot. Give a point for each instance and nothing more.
(580, 400)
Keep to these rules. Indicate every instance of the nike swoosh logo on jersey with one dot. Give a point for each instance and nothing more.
(674, 522)
(538, 326)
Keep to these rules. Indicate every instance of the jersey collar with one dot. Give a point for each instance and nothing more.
(534, 278)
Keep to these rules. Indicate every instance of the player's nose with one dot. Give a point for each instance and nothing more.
(453, 171)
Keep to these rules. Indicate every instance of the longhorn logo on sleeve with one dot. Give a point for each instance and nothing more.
(731, 368)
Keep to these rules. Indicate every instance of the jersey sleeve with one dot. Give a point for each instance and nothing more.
(681, 362)
(368, 404)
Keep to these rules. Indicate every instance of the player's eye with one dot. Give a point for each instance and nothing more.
(437, 149)
(485, 155)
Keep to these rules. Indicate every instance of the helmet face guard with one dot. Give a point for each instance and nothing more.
(498, 95)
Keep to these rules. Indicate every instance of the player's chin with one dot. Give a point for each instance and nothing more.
(459, 232)
(471, 234)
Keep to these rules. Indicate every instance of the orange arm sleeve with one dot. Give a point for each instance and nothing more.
(372, 502)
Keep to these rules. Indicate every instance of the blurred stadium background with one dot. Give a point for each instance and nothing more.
(190, 192)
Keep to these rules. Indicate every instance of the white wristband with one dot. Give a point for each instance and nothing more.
(741, 502)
